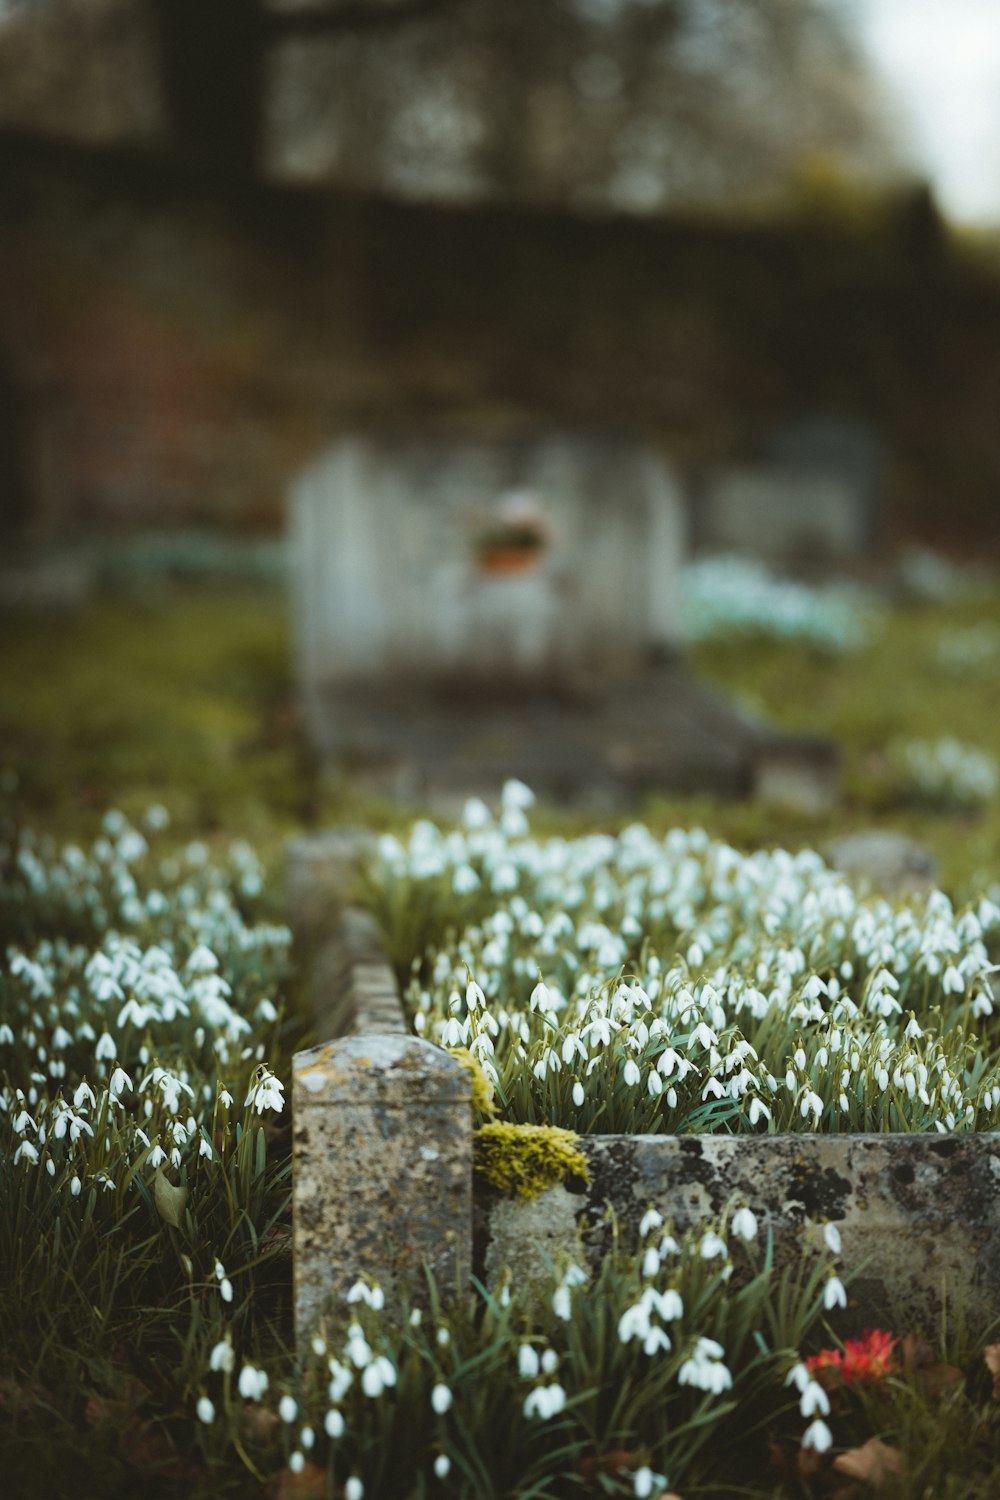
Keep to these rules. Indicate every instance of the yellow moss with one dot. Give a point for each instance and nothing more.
(482, 1088)
(527, 1159)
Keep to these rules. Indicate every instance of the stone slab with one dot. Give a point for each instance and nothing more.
(381, 1170)
(919, 1215)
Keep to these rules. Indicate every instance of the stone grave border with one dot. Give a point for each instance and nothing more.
(382, 1159)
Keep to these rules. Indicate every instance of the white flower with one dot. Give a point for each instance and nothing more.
(645, 1483)
(578, 1094)
(831, 1235)
(818, 1436)
(441, 1398)
(545, 1401)
(712, 1246)
(561, 1303)
(650, 1220)
(834, 1294)
(631, 1072)
(814, 1399)
(527, 1362)
(354, 1489)
(252, 1383)
(222, 1357)
(333, 1424)
(442, 1466)
(296, 1462)
(288, 1408)
(266, 1093)
(744, 1224)
(205, 1410)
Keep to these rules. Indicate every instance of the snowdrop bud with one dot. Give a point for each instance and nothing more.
(527, 1362)
(296, 1462)
(333, 1423)
(441, 1399)
(442, 1466)
(206, 1411)
(550, 1362)
(354, 1489)
(288, 1408)
(831, 1235)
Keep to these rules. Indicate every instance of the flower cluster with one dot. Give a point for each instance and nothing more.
(863, 1361)
(945, 773)
(639, 984)
(727, 596)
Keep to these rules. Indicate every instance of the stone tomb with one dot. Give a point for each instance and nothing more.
(470, 608)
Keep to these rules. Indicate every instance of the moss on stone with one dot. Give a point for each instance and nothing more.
(527, 1159)
(482, 1088)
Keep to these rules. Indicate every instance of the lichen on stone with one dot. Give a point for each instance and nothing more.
(527, 1159)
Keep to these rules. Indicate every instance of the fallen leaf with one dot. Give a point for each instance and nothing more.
(308, 1484)
(928, 1374)
(991, 1354)
(169, 1200)
(258, 1424)
(606, 1463)
(871, 1463)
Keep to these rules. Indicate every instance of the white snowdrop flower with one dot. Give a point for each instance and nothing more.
(811, 1103)
(226, 1289)
(354, 1489)
(631, 1073)
(561, 1303)
(465, 880)
(84, 1094)
(474, 997)
(371, 1380)
(834, 1294)
(441, 1399)
(288, 1408)
(711, 1246)
(814, 1399)
(540, 998)
(442, 1466)
(26, 1152)
(266, 1093)
(318, 1344)
(75, 1186)
(654, 1083)
(205, 1410)
(646, 1483)
(650, 1263)
(476, 815)
(443, 1337)
(550, 1362)
(416, 1317)
(222, 1357)
(296, 1461)
(358, 1350)
(831, 1236)
(527, 1362)
(817, 1435)
(6, 1035)
(333, 1424)
(671, 1098)
(791, 1082)
(119, 1082)
(252, 1383)
(578, 1094)
(758, 1111)
(744, 1224)
(516, 795)
(225, 1099)
(545, 1401)
(650, 1220)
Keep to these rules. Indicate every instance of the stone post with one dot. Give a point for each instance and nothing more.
(382, 1170)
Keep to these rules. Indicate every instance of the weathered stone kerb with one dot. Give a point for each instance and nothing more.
(919, 1214)
(382, 1176)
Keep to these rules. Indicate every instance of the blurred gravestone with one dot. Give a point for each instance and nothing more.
(473, 608)
(814, 501)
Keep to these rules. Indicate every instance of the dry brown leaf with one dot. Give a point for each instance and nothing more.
(991, 1354)
(871, 1463)
(308, 1484)
(928, 1374)
(258, 1424)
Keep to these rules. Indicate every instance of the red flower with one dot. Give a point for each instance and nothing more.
(861, 1362)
